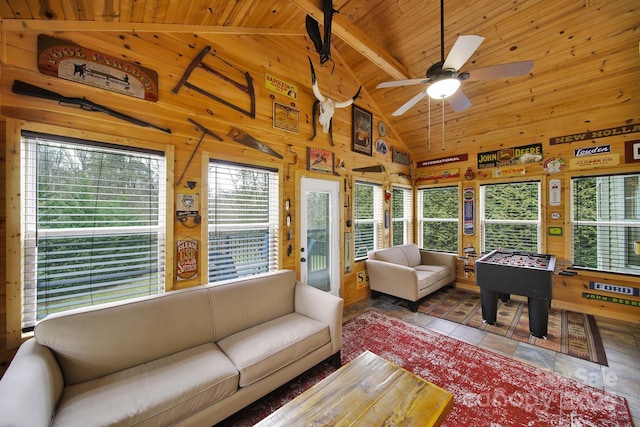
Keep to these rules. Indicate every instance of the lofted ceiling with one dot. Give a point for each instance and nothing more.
(585, 54)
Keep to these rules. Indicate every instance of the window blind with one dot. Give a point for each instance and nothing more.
(510, 216)
(368, 218)
(243, 214)
(605, 223)
(93, 224)
(438, 212)
(401, 215)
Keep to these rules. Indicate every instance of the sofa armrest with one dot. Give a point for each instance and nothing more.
(321, 306)
(439, 258)
(393, 279)
(31, 387)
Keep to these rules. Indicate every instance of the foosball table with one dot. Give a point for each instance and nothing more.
(502, 273)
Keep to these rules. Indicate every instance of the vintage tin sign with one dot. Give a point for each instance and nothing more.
(187, 259)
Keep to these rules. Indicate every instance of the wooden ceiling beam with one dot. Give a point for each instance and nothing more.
(138, 27)
(354, 37)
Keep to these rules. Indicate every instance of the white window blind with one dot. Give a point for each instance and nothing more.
(605, 222)
(401, 215)
(438, 215)
(243, 220)
(93, 224)
(368, 218)
(510, 216)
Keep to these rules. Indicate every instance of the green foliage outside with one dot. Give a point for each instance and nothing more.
(440, 219)
(85, 195)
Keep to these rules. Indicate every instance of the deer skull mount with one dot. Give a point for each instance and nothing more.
(326, 106)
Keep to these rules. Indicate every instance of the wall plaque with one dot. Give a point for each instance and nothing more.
(68, 61)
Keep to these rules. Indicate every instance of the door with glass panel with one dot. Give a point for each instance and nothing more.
(319, 234)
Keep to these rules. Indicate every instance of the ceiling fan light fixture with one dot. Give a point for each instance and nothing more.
(443, 88)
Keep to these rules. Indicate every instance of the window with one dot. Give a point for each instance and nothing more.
(94, 224)
(401, 215)
(438, 215)
(368, 226)
(605, 222)
(510, 216)
(243, 220)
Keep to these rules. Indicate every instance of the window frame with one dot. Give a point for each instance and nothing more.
(483, 220)
(630, 269)
(422, 220)
(30, 232)
(377, 219)
(408, 209)
(273, 224)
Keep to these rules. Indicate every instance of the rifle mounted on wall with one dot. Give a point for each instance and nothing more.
(27, 89)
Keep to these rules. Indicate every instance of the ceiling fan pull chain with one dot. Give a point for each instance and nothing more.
(429, 127)
(442, 102)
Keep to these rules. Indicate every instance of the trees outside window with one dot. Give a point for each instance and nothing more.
(401, 215)
(93, 224)
(605, 222)
(438, 215)
(510, 216)
(368, 222)
(243, 213)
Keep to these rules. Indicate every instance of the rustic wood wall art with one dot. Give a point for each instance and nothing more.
(69, 61)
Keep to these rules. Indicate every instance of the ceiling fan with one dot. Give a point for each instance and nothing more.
(445, 76)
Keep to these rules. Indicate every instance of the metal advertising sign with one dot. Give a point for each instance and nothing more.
(510, 156)
(187, 259)
(594, 134)
(468, 197)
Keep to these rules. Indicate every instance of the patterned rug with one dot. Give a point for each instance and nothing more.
(575, 334)
(489, 389)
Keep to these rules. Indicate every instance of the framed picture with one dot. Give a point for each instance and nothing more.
(319, 160)
(286, 118)
(361, 131)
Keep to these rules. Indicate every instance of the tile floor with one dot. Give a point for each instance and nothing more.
(621, 341)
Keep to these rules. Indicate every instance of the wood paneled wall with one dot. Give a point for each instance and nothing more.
(286, 58)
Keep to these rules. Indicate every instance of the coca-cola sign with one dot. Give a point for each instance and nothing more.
(590, 151)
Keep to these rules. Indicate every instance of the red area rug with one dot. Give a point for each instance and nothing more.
(571, 333)
(489, 389)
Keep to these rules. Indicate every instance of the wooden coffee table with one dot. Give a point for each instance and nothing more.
(369, 391)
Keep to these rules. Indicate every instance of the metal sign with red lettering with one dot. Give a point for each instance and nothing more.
(187, 259)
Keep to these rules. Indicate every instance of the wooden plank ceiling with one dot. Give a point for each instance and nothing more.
(585, 55)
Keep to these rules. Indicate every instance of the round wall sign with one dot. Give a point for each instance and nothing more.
(382, 129)
(381, 147)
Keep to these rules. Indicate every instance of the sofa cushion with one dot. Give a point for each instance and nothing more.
(263, 349)
(156, 393)
(412, 252)
(243, 303)
(92, 342)
(439, 271)
(394, 255)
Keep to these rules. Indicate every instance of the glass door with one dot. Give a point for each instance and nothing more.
(319, 231)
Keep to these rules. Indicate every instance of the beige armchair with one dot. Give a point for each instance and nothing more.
(409, 272)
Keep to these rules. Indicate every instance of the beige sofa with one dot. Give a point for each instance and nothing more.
(187, 358)
(409, 272)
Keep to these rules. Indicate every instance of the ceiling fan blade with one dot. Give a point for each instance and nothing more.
(397, 83)
(413, 101)
(461, 52)
(459, 101)
(513, 69)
